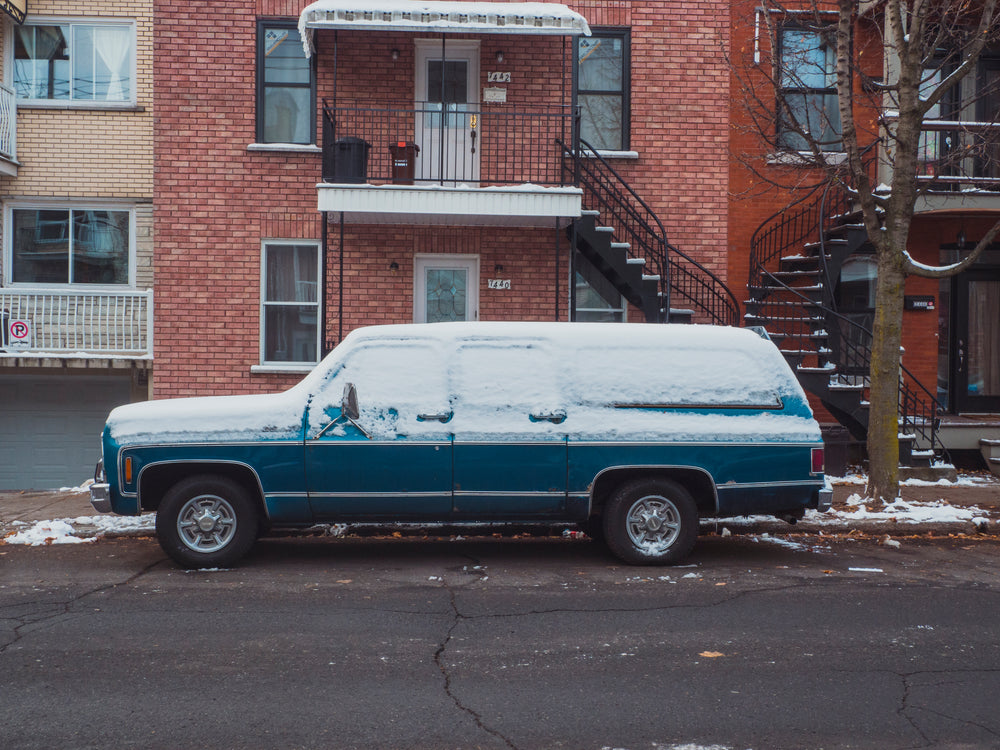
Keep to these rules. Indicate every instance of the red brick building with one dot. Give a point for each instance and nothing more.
(952, 352)
(420, 167)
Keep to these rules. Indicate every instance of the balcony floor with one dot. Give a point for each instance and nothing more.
(461, 205)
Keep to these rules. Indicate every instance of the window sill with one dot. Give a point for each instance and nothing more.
(805, 158)
(605, 154)
(81, 106)
(287, 369)
(294, 148)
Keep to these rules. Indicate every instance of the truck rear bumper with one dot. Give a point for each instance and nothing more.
(824, 499)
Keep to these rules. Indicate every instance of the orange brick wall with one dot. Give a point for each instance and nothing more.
(754, 199)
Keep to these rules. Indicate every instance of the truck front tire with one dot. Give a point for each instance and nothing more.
(206, 522)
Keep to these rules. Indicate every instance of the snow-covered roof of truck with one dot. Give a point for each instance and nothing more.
(610, 382)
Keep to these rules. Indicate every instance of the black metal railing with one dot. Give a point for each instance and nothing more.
(424, 143)
(684, 283)
(956, 155)
(805, 326)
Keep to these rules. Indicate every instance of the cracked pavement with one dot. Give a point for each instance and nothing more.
(826, 642)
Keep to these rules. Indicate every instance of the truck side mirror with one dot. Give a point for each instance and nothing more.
(349, 402)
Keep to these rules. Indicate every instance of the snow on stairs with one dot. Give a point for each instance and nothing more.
(991, 453)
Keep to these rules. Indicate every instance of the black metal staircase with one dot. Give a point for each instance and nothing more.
(626, 243)
(795, 260)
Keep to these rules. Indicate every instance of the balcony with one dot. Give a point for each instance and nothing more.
(464, 165)
(959, 163)
(76, 324)
(8, 131)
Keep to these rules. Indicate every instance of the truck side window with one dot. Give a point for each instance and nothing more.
(396, 382)
(496, 386)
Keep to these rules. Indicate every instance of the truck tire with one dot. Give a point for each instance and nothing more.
(651, 522)
(207, 522)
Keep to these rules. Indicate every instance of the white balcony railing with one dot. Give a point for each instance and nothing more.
(67, 324)
(8, 123)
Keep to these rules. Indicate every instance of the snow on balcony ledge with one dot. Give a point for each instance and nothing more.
(442, 16)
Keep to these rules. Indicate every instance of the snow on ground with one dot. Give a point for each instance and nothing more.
(964, 480)
(858, 509)
(902, 511)
(77, 530)
(867, 510)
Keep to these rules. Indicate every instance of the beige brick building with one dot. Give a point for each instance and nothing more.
(76, 271)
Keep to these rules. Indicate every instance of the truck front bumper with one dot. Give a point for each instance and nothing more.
(100, 497)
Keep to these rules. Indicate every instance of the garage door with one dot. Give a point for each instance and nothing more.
(50, 428)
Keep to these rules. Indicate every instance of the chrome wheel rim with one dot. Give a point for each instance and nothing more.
(206, 523)
(653, 523)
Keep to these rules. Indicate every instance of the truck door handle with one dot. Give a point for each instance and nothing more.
(442, 418)
(556, 417)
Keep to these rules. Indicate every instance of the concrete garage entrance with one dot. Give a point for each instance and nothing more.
(50, 427)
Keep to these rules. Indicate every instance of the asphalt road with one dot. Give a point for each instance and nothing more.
(503, 643)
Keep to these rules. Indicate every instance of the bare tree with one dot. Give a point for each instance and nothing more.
(812, 95)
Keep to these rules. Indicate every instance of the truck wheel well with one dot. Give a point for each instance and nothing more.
(157, 480)
(696, 481)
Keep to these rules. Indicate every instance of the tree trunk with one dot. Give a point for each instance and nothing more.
(883, 422)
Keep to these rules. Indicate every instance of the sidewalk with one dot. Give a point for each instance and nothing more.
(970, 506)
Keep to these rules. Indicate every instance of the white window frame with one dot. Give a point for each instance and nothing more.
(71, 103)
(44, 205)
(289, 365)
(422, 262)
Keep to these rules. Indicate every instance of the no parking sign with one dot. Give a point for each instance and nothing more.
(19, 334)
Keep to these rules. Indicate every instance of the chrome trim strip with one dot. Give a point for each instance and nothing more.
(253, 471)
(526, 493)
(783, 483)
(656, 467)
(214, 443)
(778, 405)
(688, 444)
(335, 495)
(384, 443)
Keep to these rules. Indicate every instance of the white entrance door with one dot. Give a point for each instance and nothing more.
(447, 111)
(446, 288)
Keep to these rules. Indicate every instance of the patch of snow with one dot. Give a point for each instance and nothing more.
(69, 531)
(45, 532)
(900, 511)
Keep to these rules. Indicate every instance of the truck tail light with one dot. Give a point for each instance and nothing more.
(128, 470)
(817, 460)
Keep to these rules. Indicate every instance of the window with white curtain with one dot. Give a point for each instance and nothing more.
(290, 302)
(90, 63)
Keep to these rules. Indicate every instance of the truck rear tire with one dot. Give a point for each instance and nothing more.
(651, 522)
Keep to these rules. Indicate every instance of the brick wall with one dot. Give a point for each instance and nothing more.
(680, 113)
(217, 200)
(755, 197)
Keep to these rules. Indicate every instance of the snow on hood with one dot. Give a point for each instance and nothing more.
(210, 418)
